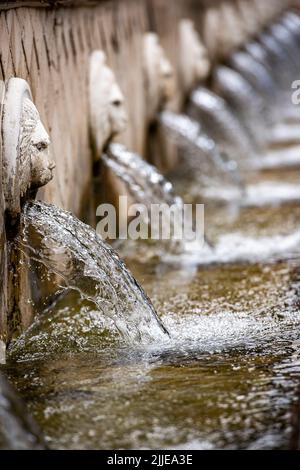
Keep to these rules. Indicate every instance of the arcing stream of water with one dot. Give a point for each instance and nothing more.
(146, 186)
(245, 101)
(202, 158)
(83, 262)
(98, 369)
(221, 124)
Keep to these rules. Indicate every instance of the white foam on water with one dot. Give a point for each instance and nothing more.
(266, 193)
(271, 193)
(236, 247)
(196, 334)
(218, 332)
(193, 444)
(286, 133)
(283, 158)
(224, 194)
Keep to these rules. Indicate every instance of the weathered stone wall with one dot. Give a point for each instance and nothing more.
(3, 249)
(50, 49)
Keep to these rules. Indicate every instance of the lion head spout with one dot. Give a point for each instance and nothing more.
(35, 161)
(108, 116)
(159, 75)
(27, 164)
(194, 61)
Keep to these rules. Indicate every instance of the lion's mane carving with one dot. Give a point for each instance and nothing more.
(35, 164)
(108, 116)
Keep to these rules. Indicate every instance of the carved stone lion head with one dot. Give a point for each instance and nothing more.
(27, 164)
(223, 29)
(210, 29)
(108, 116)
(159, 75)
(249, 16)
(34, 149)
(232, 33)
(194, 60)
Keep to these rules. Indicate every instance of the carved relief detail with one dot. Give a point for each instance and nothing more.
(159, 75)
(194, 60)
(108, 116)
(26, 159)
(35, 165)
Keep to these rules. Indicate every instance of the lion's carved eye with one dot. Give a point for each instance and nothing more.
(117, 102)
(43, 145)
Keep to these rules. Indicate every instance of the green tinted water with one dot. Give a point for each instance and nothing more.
(228, 377)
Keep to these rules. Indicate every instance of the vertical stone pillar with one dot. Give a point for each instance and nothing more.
(3, 254)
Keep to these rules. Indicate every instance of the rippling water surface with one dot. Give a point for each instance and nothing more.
(226, 378)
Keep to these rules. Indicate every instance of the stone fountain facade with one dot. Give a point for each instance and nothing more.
(49, 45)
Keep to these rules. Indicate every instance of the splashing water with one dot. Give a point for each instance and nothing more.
(77, 255)
(274, 159)
(228, 359)
(278, 59)
(266, 193)
(258, 76)
(273, 60)
(262, 81)
(283, 36)
(147, 186)
(143, 180)
(202, 158)
(244, 100)
(238, 248)
(228, 376)
(292, 22)
(257, 51)
(220, 123)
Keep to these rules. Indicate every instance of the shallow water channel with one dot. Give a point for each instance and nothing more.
(227, 378)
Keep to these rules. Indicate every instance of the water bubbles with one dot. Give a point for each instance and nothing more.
(84, 263)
